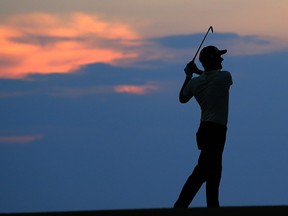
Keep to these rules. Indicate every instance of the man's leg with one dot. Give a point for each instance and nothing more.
(214, 166)
(190, 188)
(212, 188)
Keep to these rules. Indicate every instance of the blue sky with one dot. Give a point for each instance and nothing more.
(91, 118)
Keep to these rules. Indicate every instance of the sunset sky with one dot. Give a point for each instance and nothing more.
(89, 102)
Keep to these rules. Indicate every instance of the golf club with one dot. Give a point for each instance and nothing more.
(210, 28)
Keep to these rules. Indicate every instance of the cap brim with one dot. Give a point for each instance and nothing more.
(222, 52)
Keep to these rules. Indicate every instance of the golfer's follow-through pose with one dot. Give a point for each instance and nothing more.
(211, 91)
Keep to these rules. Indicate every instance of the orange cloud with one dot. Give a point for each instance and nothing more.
(136, 89)
(45, 43)
(20, 139)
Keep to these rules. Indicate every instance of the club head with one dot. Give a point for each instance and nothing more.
(211, 28)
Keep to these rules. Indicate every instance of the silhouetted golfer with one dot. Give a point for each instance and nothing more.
(211, 91)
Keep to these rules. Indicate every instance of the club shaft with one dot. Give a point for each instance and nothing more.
(210, 28)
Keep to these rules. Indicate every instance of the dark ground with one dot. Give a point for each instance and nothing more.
(275, 210)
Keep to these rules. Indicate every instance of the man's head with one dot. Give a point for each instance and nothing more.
(210, 57)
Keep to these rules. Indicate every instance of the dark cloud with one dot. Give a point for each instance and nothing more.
(42, 40)
(194, 40)
(87, 40)
(8, 60)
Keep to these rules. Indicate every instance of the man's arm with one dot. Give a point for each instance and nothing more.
(182, 97)
(189, 70)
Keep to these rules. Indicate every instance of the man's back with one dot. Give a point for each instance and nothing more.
(211, 90)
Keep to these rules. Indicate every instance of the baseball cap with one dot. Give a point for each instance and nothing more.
(209, 51)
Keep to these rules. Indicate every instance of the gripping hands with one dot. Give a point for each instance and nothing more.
(191, 68)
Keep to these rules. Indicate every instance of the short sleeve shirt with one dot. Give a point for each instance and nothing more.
(211, 91)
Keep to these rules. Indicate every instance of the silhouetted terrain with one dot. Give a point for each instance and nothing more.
(276, 210)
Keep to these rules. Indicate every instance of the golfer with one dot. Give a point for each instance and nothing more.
(211, 91)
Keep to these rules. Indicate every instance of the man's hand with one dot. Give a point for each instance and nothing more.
(191, 68)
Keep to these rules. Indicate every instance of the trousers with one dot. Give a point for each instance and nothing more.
(211, 138)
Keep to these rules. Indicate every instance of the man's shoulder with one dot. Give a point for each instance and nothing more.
(228, 76)
(226, 72)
